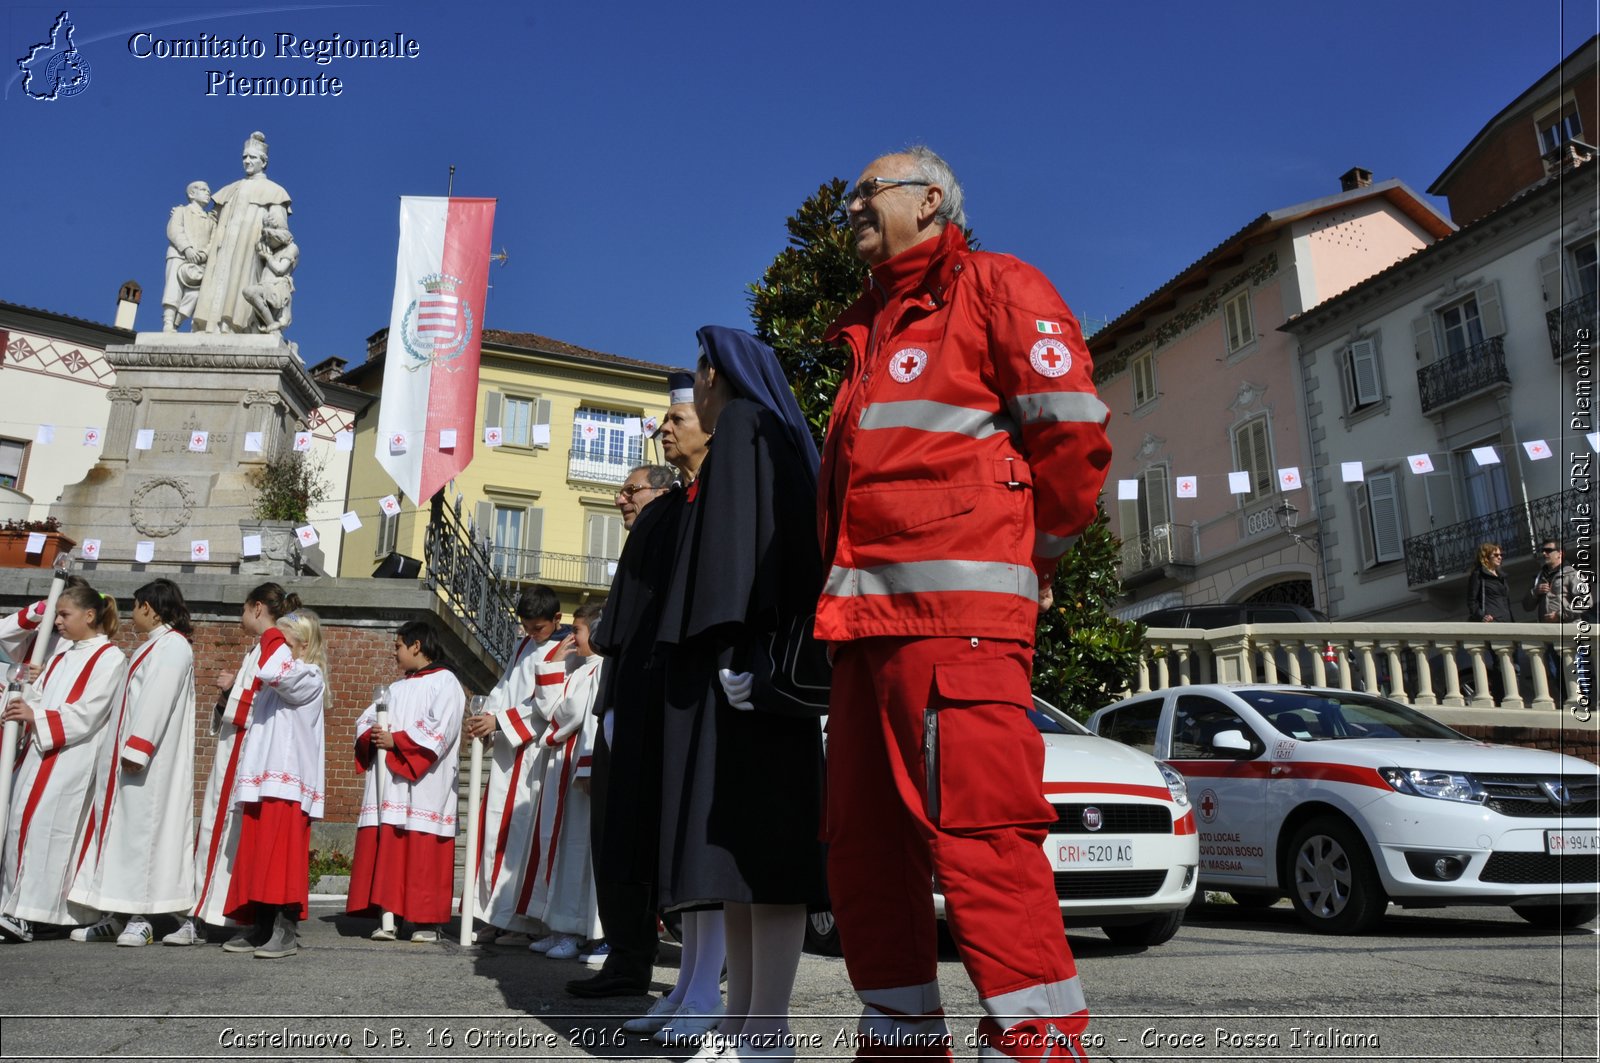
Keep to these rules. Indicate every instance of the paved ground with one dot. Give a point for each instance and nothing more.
(1460, 983)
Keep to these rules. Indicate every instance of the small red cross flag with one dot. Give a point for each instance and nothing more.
(1420, 463)
(91, 437)
(199, 549)
(302, 441)
(351, 521)
(398, 442)
(1289, 479)
(492, 435)
(389, 504)
(590, 430)
(90, 549)
(1537, 449)
(198, 440)
(1187, 487)
(650, 425)
(307, 535)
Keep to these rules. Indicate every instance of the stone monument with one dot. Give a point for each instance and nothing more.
(189, 231)
(247, 210)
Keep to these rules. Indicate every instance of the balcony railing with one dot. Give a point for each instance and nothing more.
(1465, 373)
(597, 470)
(1428, 665)
(1451, 550)
(1164, 544)
(567, 570)
(1572, 326)
(460, 571)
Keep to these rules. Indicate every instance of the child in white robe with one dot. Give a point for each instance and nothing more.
(140, 855)
(281, 790)
(218, 840)
(64, 713)
(516, 715)
(405, 842)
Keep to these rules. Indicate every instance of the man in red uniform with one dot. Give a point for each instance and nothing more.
(966, 450)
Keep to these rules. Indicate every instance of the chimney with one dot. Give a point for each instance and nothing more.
(128, 304)
(328, 370)
(1355, 178)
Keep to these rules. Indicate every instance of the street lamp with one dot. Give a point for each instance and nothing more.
(1287, 514)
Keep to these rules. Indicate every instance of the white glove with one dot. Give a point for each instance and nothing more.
(737, 686)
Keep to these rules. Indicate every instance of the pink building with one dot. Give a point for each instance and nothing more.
(1202, 384)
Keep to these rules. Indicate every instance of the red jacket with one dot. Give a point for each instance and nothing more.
(965, 453)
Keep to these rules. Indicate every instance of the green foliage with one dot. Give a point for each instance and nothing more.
(332, 862)
(287, 486)
(1083, 655)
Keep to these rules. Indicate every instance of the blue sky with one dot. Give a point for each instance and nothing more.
(645, 156)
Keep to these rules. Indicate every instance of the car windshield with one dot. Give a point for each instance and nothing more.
(1310, 716)
(1052, 721)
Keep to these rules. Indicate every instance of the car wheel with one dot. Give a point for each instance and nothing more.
(1557, 916)
(822, 934)
(1254, 898)
(1333, 884)
(1157, 931)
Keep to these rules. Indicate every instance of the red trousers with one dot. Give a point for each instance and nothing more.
(934, 774)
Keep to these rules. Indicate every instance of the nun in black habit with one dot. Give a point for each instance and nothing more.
(742, 786)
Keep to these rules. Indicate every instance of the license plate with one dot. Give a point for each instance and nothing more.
(1079, 854)
(1572, 842)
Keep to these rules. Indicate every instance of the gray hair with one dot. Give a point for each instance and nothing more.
(934, 170)
(659, 476)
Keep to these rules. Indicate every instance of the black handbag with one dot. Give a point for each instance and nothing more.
(792, 671)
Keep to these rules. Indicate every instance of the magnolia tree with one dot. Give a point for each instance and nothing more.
(1084, 656)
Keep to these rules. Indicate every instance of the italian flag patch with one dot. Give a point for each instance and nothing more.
(1049, 328)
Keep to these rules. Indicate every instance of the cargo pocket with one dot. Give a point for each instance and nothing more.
(983, 756)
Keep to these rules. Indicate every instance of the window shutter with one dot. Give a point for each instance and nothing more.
(1157, 503)
(492, 405)
(483, 518)
(1494, 322)
(1128, 519)
(1441, 495)
(533, 529)
(1550, 277)
(1383, 510)
(1364, 372)
(541, 415)
(1422, 334)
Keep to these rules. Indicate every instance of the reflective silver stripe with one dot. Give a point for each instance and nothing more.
(931, 577)
(903, 1012)
(928, 416)
(1054, 1000)
(1052, 545)
(1073, 406)
(914, 1000)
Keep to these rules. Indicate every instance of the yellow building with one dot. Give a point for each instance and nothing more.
(545, 498)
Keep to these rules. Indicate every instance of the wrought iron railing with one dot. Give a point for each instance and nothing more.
(1164, 544)
(1573, 326)
(1463, 373)
(1451, 550)
(597, 470)
(460, 569)
(573, 570)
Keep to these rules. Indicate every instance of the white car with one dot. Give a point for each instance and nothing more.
(1123, 846)
(1347, 802)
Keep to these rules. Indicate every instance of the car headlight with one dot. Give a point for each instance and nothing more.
(1175, 783)
(1443, 785)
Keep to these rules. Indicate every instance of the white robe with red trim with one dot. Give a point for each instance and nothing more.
(17, 633)
(50, 796)
(563, 895)
(218, 840)
(521, 703)
(425, 718)
(141, 852)
(283, 750)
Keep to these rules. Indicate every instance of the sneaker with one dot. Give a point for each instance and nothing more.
(565, 949)
(15, 929)
(486, 936)
(186, 934)
(106, 929)
(381, 934)
(426, 935)
(689, 1028)
(659, 1015)
(545, 944)
(136, 934)
(285, 939)
(595, 955)
(512, 937)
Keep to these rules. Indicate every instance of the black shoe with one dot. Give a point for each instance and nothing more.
(611, 984)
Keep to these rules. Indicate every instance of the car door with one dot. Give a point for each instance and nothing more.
(1226, 787)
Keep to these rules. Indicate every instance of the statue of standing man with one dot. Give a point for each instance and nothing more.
(247, 210)
(189, 232)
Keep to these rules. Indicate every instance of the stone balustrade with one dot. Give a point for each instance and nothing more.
(1497, 670)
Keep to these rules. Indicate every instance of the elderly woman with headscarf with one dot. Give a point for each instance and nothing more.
(742, 783)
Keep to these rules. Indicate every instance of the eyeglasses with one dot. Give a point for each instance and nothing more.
(1549, 549)
(873, 185)
(629, 490)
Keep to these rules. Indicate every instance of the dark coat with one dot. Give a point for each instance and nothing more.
(741, 790)
(1488, 595)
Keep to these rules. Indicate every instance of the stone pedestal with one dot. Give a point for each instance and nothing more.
(177, 384)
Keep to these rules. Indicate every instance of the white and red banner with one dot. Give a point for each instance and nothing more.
(430, 372)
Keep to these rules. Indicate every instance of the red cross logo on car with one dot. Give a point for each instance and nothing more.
(1208, 805)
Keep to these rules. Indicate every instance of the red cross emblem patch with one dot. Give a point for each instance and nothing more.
(1050, 358)
(1207, 805)
(906, 365)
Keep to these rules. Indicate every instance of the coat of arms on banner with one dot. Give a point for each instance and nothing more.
(437, 325)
